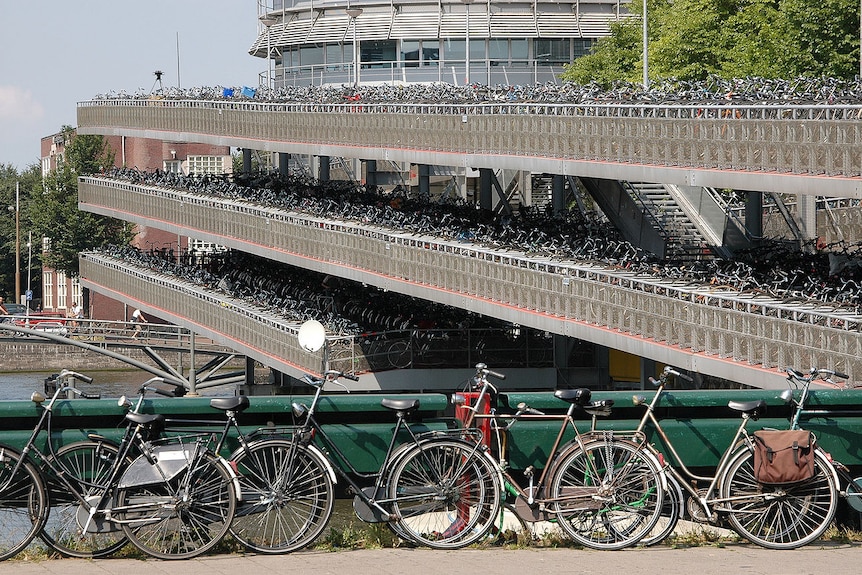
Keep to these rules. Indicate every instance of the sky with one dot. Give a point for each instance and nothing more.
(55, 53)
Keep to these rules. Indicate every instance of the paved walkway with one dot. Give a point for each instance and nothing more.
(732, 559)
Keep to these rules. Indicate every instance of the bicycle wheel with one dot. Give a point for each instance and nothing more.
(779, 516)
(287, 496)
(671, 511)
(23, 503)
(606, 495)
(88, 465)
(445, 493)
(182, 517)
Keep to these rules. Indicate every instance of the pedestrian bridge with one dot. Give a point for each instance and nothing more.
(738, 336)
(798, 149)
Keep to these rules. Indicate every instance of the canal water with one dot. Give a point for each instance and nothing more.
(108, 384)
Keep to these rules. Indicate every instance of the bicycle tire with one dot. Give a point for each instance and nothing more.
(618, 510)
(671, 511)
(399, 354)
(779, 516)
(445, 494)
(23, 503)
(88, 465)
(287, 496)
(183, 517)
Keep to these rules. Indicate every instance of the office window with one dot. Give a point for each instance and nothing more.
(410, 53)
(453, 50)
(581, 46)
(61, 290)
(552, 51)
(206, 165)
(47, 290)
(520, 50)
(377, 53)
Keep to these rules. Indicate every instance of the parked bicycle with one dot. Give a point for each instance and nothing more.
(175, 500)
(603, 492)
(434, 489)
(263, 509)
(849, 488)
(773, 515)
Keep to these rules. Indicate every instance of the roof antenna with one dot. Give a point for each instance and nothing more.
(158, 75)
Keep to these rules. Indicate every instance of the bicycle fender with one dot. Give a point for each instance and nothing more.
(234, 478)
(325, 460)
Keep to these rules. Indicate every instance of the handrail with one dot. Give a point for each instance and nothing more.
(700, 111)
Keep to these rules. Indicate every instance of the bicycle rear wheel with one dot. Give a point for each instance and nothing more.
(779, 516)
(445, 493)
(23, 503)
(287, 496)
(88, 465)
(671, 511)
(183, 517)
(607, 495)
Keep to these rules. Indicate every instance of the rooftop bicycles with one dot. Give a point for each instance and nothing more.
(604, 493)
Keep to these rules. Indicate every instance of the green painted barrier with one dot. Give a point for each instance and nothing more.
(698, 422)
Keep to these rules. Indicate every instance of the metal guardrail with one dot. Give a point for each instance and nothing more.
(565, 297)
(815, 140)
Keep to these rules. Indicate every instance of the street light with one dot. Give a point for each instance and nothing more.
(355, 13)
(17, 209)
(467, 44)
(646, 45)
(29, 261)
(268, 22)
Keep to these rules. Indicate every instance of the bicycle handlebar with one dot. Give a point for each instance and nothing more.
(80, 376)
(482, 370)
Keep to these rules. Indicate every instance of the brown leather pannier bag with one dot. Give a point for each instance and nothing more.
(783, 456)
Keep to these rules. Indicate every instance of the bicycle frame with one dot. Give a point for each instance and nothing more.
(853, 490)
(677, 468)
(533, 493)
(375, 510)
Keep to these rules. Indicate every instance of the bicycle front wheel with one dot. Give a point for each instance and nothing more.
(445, 494)
(183, 517)
(287, 496)
(779, 516)
(69, 528)
(23, 503)
(606, 495)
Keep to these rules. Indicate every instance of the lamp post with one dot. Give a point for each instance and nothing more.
(29, 262)
(16, 209)
(354, 13)
(467, 44)
(268, 22)
(646, 46)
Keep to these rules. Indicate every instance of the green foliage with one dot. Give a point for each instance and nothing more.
(692, 39)
(55, 215)
(27, 181)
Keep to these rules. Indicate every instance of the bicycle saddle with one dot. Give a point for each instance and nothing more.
(754, 408)
(580, 396)
(400, 404)
(152, 420)
(236, 403)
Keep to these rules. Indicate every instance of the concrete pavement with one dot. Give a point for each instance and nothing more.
(730, 559)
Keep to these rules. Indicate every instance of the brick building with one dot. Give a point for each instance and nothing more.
(59, 292)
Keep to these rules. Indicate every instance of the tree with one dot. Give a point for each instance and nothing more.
(692, 39)
(26, 182)
(55, 215)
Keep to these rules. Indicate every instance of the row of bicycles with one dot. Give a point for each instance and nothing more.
(167, 487)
